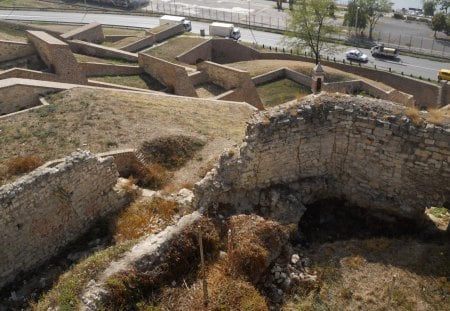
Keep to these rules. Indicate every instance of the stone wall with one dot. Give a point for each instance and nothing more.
(16, 96)
(92, 49)
(10, 50)
(361, 150)
(350, 87)
(425, 93)
(101, 69)
(231, 78)
(47, 209)
(167, 32)
(28, 74)
(171, 75)
(197, 54)
(57, 55)
(218, 50)
(92, 32)
(143, 43)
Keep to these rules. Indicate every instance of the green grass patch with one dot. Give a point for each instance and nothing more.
(114, 61)
(65, 294)
(439, 212)
(281, 91)
(142, 81)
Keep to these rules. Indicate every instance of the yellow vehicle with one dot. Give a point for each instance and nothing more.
(444, 74)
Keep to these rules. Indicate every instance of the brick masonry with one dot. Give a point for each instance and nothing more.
(365, 151)
(42, 212)
(92, 32)
(57, 55)
(10, 50)
(231, 78)
(175, 77)
(218, 50)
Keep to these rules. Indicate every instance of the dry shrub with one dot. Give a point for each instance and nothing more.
(253, 243)
(153, 176)
(179, 259)
(22, 165)
(436, 116)
(413, 114)
(143, 217)
(170, 152)
(225, 292)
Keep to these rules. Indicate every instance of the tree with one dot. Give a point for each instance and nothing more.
(355, 16)
(439, 22)
(429, 7)
(308, 25)
(445, 4)
(374, 10)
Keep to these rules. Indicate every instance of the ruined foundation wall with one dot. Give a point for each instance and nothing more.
(42, 212)
(357, 149)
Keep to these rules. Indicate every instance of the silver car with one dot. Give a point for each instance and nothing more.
(356, 55)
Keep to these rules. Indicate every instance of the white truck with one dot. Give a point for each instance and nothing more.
(224, 30)
(176, 20)
(381, 50)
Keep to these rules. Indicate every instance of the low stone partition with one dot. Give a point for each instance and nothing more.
(218, 51)
(45, 210)
(426, 94)
(359, 150)
(281, 74)
(92, 32)
(92, 49)
(173, 76)
(199, 53)
(101, 69)
(167, 31)
(29, 74)
(351, 87)
(141, 44)
(19, 94)
(10, 50)
(231, 78)
(57, 55)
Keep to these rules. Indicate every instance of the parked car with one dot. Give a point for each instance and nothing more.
(444, 74)
(356, 55)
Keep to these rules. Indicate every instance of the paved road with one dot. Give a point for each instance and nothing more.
(408, 65)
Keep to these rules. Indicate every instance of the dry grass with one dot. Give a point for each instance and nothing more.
(377, 274)
(437, 116)
(142, 81)
(84, 118)
(22, 165)
(225, 292)
(281, 91)
(414, 115)
(143, 217)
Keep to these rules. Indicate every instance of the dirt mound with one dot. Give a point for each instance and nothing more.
(170, 152)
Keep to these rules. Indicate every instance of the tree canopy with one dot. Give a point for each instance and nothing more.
(356, 16)
(429, 7)
(375, 10)
(439, 22)
(310, 24)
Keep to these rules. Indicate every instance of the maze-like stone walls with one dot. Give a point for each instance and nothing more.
(363, 151)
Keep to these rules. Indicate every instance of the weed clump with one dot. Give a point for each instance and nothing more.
(144, 217)
(22, 165)
(413, 114)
